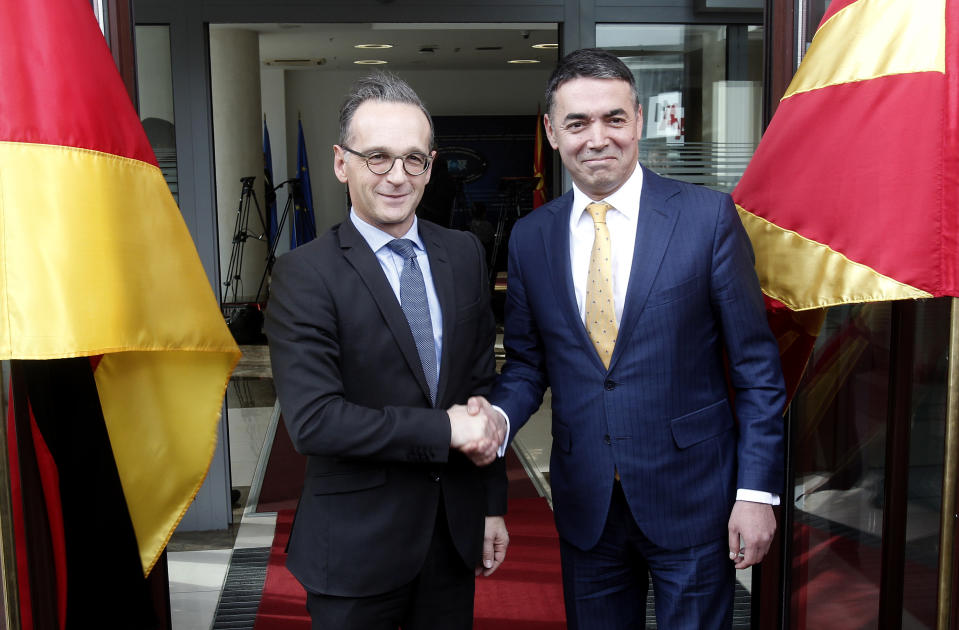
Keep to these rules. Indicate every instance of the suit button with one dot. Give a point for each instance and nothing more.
(434, 477)
(606, 440)
(610, 385)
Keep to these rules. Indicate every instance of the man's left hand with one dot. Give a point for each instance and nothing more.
(756, 524)
(495, 542)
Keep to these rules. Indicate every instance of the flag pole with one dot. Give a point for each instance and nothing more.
(947, 526)
(8, 558)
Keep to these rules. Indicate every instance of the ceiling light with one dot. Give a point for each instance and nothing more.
(523, 61)
(546, 46)
(295, 62)
(369, 62)
(373, 46)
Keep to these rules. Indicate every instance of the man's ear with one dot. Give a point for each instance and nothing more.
(339, 163)
(550, 132)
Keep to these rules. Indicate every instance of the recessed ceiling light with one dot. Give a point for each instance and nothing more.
(523, 61)
(369, 62)
(546, 46)
(373, 46)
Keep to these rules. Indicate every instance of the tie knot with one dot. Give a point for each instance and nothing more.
(598, 211)
(403, 247)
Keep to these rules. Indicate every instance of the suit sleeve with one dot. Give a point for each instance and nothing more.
(301, 325)
(484, 371)
(754, 367)
(520, 387)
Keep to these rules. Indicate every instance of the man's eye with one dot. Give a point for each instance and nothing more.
(617, 121)
(575, 126)
(416, 159)
(378, 159)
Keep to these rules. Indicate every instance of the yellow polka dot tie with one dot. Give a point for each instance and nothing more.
(600, 308)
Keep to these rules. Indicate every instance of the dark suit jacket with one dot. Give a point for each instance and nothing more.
(662, 414)
(356, 402)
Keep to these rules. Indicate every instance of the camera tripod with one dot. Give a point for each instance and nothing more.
(241, 233)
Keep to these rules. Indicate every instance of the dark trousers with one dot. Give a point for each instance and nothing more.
(441, 596)
(605, 587)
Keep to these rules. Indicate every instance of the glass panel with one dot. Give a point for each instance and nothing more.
(924, 500)
(701, 91)
(155, 96)
(813, 10)
(839, 417)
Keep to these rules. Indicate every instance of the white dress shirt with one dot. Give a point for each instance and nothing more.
(392, 264)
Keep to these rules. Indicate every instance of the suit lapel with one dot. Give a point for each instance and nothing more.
(654, 229)
(358, 253)
(562, 275)
(442, 272)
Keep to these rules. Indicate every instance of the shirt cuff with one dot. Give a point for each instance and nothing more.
(757, 496)
(501, 451)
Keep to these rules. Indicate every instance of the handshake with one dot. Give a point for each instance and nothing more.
(477, 430)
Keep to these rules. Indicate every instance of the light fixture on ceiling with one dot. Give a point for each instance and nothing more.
(295, 63)
(521, 61)
(545, 46)
(369, 62)
(373, 46)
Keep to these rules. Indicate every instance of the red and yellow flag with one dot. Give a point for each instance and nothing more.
(539, 193)
(852, 193)
(95, 259)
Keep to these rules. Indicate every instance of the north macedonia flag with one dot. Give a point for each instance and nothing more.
(853, 193)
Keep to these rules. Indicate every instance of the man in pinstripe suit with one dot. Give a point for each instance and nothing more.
(664, 460)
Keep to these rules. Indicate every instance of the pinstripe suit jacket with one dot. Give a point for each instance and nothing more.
(663, 413)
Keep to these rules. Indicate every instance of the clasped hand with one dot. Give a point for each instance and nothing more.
(477, 430)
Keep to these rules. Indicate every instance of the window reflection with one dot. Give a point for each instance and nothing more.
(839, 418)
(700, 87)
(155, 98)
(840, 421)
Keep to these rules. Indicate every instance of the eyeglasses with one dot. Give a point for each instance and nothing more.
(381, 163)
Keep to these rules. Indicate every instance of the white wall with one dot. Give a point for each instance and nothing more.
(238, 146)
(316, 95)
(155, 84)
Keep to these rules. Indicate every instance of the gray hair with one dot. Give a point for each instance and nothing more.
(380, 86)
(592, 63)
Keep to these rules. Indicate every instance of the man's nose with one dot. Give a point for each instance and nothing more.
(597, 137)
(397, 173)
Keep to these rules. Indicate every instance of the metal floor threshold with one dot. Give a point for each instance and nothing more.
(242, 589)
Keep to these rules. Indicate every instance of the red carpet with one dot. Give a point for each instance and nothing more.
(525, 593)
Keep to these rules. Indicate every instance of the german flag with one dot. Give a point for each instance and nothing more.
(853, 193)
(120, 353)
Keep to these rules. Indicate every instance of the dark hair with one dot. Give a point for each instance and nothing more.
(380, 86)
(593, 63)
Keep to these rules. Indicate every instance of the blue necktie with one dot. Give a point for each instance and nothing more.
(417, 310)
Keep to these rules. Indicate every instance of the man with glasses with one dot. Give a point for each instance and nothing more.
(380, 331)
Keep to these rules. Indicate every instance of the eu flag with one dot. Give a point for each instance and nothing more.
(269, 194)
(304, 222)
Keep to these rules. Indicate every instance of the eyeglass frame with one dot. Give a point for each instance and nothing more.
(366, 158)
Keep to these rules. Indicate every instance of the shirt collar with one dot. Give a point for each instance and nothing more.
(377, 238)
(625, 199)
